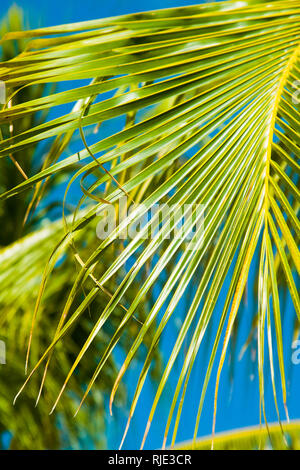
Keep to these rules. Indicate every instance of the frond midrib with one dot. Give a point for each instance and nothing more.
(271, 127)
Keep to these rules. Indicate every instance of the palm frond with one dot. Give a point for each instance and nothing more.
(204, 98)
(252, 438)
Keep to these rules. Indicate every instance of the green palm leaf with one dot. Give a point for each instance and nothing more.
(252, 438)
(205, 101)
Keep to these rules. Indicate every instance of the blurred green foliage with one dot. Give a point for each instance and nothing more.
(27, 238)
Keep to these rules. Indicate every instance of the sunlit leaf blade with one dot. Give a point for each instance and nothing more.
(249, 439)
